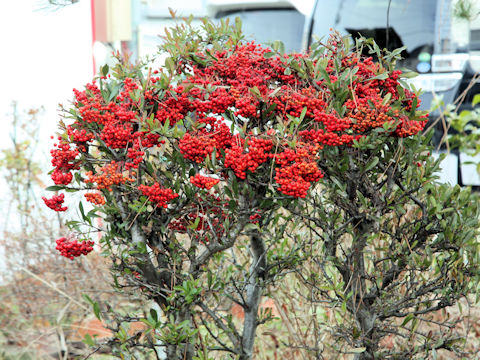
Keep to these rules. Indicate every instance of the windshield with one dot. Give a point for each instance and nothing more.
(412, 20)
(268, 25)
(411, 23)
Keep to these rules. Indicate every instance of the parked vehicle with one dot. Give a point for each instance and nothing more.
(440, 47)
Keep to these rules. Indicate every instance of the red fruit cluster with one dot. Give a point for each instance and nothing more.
(408, 127)
(95, 198)
(61, 178)
(196, 148)
(332, 122)
(216, 129)
(259, 88)
(117, 135)
(72, 248)
(55, 203)
(203, 182)
(240, 160)
(107, 176)
(64, 159)
(295, 180)
(297, 170)
(292, 101)
(79, 136)
(255, 218)
(157, 194)
(321, 137)
(114, 122)
(174, 106)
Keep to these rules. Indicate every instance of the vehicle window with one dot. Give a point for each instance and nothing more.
(411, 22)
(475, 39)
(267, 25)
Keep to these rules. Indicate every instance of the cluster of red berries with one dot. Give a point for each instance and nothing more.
(290, 101)
(196, 148)
(174, 106)
(297, 170)
(255, 218)
(95, 198)
(240, 161)
(114, 122)
(117, 135)
(296, 179)
(408, 127)
(204, 182)
(157, 194)
(216, 129)
(198, 144)
(61, 178)
(367, 109)
(322, 138)
(79, 136)
(331, 122)
(72, 248)
(55, 203)
(64, 159)
(107, 176)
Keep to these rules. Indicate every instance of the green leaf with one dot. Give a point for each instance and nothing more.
(88, 340)
(381, 76)
(409, 74)
(414, 106)
(407, 319)
(88, 299)
(55, 188)
(256, 92)
(476, 99)
(325, 75)
(278, 46)
(386, 99)
(238, 23)
(358, 350)
(96, 310)
(153, 314)
(235, 186)
(371, 164)
(104, 70)
(114, 92)
(82, 212)
(302, 115)
(194, 225)
(170, 65)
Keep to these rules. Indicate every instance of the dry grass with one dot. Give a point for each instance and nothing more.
(41, 307)
(34, 317)
(300, 325)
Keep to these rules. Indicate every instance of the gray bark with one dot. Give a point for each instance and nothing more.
(253, 296)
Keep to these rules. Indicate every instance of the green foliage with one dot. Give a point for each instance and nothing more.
(465, 10)
(395, 244)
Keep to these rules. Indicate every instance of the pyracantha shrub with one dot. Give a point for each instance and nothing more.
(209, 154)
